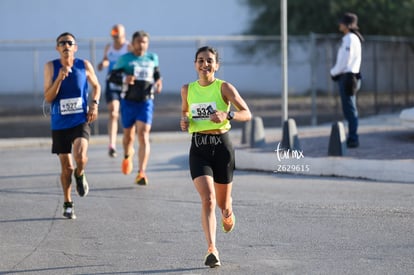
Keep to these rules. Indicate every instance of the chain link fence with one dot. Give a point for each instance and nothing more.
(386, 68)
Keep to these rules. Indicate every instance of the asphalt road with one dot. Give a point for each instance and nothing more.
(286, 224)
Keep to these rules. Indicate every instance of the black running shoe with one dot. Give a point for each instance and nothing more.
(212, 259)
(69, 210)
(82, 187)
(352, 143)
(112, 153)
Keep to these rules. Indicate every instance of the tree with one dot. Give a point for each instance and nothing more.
(375, 17)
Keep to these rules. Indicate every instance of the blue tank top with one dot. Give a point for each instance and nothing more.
(70, 106)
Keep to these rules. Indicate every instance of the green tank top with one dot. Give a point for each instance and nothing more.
(199, 98)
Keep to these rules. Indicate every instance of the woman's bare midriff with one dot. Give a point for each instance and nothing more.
(213, 132)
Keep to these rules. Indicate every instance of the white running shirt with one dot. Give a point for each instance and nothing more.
(348, 59)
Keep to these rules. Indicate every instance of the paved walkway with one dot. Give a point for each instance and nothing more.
(386, 152)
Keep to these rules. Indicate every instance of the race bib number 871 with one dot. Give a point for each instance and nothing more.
(70, 106)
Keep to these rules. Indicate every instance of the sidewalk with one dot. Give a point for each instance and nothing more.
(386, 151)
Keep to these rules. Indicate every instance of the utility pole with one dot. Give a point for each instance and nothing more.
(284, 55)
(290, 138)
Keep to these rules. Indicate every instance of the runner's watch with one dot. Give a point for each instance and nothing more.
(230, 115)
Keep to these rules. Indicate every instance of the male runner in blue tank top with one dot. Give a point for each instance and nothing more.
(66, 88)
(139, 74)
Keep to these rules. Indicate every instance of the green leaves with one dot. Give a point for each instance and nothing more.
(376, 17)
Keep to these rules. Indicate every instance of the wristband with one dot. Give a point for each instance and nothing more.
(230, 115)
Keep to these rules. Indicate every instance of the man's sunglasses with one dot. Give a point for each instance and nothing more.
(64, 42)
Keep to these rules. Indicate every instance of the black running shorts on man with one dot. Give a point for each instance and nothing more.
(62, 140)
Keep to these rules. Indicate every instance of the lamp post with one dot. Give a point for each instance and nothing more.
(284, 53)
(290, 138)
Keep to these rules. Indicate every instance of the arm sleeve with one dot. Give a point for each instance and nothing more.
(116, 76)
(117, 73)
(157, 73)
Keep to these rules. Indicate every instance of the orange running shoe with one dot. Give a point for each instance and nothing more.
(228, 223)
(127, 164)
(141, 179)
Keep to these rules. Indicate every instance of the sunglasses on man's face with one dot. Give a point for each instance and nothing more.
(64, 42)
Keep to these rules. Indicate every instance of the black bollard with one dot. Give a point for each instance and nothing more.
(290, 139)
(258, 137)
(337, 140)
(253, 132)
(246, 132)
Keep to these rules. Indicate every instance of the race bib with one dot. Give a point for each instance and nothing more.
(145, 73)
(199, 111)
(70, 106)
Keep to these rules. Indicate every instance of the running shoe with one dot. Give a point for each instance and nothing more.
(69, 210)
(141, 179)
(127, 164)
(82, 187)
(112, 152)
(228, 223)
(352, 143)
(212, 259)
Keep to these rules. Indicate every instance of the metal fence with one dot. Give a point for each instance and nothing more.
(386, 67)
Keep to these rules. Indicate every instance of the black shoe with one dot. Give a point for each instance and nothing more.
(112, 153)
(81, 185)
(69, 210)
(212, 259)
(352, 143)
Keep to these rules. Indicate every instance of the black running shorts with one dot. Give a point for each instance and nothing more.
(212, 155)
(62, 140)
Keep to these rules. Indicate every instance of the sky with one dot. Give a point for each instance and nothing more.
(45, 19)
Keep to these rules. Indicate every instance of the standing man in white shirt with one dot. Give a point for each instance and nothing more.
(347, 73)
